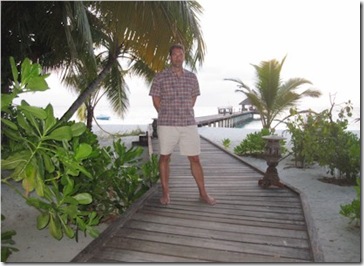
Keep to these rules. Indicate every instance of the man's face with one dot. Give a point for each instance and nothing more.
(177, 57)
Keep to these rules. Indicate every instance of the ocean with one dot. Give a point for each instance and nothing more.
(143, 116)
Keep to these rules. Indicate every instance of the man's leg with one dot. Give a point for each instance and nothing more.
(164, 176)
(197, 172)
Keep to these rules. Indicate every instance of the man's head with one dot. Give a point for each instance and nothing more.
(177, 54)
(176, 46)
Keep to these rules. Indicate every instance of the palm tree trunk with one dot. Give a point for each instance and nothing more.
(90, 115)
(90, 89)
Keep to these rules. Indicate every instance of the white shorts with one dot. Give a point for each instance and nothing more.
(187, 138)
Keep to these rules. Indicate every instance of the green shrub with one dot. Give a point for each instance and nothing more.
(119, 177)
(254, 144)
(353, 210)
(65, 174)
(226, 143)
(317, 138)
(7, 243)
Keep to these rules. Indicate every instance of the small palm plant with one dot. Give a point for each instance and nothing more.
(271, 96)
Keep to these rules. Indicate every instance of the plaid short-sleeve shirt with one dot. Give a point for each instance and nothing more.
(176, 94)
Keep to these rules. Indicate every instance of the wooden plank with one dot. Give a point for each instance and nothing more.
(194, 252)
(248, 224)
(110, 254)
(245, 206)
(228, 212)
(218, 234)
(222, 226)
(215, 244)
(231, 219)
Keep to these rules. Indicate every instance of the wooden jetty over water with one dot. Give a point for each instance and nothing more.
(248, 223)
(235, 119)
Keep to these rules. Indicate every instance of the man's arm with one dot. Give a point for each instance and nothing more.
(156, 102)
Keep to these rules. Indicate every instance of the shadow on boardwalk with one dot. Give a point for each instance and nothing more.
(248, 224)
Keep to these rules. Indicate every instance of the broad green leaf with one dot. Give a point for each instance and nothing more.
(28, 185)
(83, 198)
(36, 111)
(42, 220)
(83, 151)
(70, 210)
(25, 70)
(6, 100)
(55, 228)
(61, 133)
(23, 123)
(48, 164)
(93, 232)
(39, 184)
(37, 83)
(72, 201)
(73, 167)
(84, 171)
(15, 160)
(29, 182)
(68, 188)
(19, 172)
(50, 120)
(73, 172)
(68, 230)
(9, 124)
(35, 70)
(14, 69)
(78, 129)
(12, 134)
(31, 118)
(39, 204)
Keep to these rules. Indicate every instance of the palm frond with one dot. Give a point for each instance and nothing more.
(271, 96)
(148, 28)
(116, 91)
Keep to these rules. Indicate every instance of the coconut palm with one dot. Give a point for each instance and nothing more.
(57, 34)
(113, 87)
(142, 33)
(271, 95)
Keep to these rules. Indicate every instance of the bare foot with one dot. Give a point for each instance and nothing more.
(208, 199)
(165, 200)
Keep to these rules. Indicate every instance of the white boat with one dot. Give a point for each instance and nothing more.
(103, 117)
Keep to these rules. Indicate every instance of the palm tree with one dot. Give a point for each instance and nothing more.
(57, 34)
(272, 96)
(48, 32)
(142, 32)
(113, 87)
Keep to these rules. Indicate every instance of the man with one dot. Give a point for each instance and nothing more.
(174, 92)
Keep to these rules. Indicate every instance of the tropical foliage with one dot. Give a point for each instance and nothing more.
(70, 35)
(254, 145)
(271, 95)
(64, 172)
(7, 243)
(353, 209)
(323, 139)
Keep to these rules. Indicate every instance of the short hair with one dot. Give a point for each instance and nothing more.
(176, 46)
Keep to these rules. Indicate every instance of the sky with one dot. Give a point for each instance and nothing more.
(320, 39)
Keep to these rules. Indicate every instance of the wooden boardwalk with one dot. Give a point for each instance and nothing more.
(248, 223)
(226, 120)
